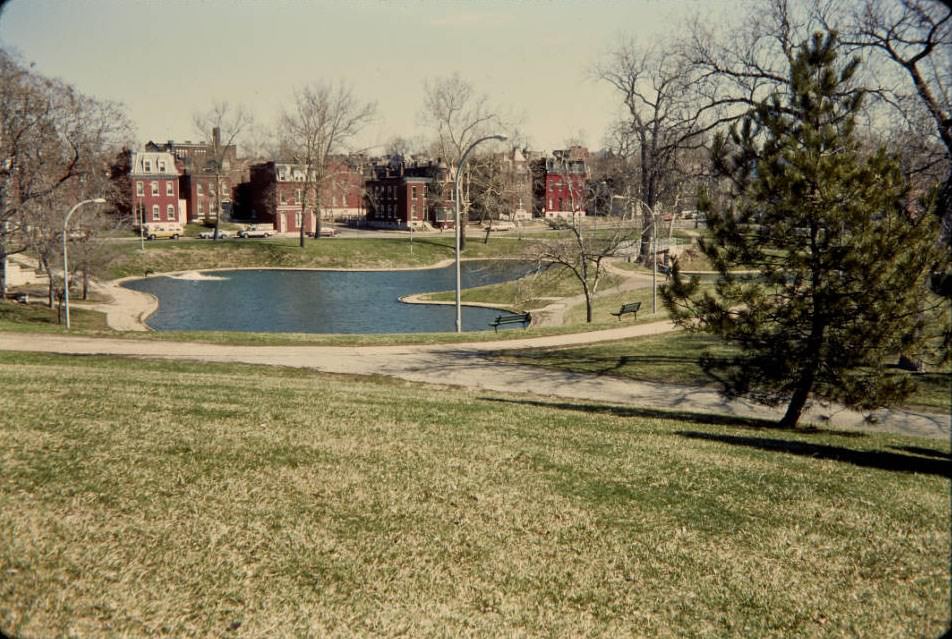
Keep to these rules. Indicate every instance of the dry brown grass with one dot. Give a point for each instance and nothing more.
(151, 499)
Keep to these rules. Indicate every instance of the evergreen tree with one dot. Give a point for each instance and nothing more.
(843, 258)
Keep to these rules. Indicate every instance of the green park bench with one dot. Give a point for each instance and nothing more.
(517, 318)
(628, 308)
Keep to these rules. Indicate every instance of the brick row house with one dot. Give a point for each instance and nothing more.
(181, 182)
(560, 183)
(275, 190)
(154, 178)
(410, 195)
(205, 185)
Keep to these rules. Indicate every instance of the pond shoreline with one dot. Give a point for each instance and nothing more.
(190, 313)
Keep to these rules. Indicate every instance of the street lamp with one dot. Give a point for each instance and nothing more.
(98, 200)
(459, 172)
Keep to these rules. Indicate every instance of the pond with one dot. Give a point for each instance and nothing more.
(278, 301)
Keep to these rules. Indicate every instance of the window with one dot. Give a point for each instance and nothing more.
(155, 212)
(334, 200)
(550, 204)
(201, 191)
(201, 207)
(169, 189)
(161, 166)
(170, 212)
(284, 198)
(147, 165)
(297, 195)
(140, 189)
(413, 210)
(155, 188)
(413, 192)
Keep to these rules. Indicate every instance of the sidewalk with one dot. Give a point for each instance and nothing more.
(473, 366)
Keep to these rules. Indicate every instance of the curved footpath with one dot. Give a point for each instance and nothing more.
(473, 365)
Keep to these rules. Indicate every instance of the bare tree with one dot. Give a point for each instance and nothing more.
(55, 147)
(916, 37)
(584, 252)
(667, 118)
(458, 115)
(222, 124)
(323, 121)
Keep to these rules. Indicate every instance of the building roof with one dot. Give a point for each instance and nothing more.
(153, 163)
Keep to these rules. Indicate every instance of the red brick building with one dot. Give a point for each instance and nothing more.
(275, 194)
(561, 183)
(203, 184)
(402, 195)
(342, 189)
(155, 189)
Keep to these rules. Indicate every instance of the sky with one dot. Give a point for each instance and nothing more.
(167, 60)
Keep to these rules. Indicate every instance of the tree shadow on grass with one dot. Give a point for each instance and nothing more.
(879, 459)
(683, 416)
(608, 365)
(928, 452)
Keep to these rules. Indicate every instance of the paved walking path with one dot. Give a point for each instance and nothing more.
(473, 365)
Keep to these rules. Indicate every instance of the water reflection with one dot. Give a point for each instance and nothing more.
(320, 301)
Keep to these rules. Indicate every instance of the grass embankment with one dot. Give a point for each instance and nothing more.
(161, 498)
(674, 358)
(43, 319)
(368, 253)
(532, 291)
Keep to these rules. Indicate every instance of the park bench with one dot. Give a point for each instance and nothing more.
(518, 318)
(628, 308)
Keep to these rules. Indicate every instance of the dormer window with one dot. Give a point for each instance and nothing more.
(147, 165)
(161, 166)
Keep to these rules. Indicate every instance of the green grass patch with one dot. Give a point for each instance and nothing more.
(368, 253)
(532, 291)
(39, 318)
(674, 358)
(153, 498)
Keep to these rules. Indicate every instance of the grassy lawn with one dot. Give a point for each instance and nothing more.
(182, 499)
(19, 318)
(370, 253)
(532, 291)
(606, 304)
(39, 318)
(674, 358)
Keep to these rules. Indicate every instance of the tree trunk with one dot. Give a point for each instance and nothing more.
(85, 284)
(797, 402)
(3, 271)
(317, 213)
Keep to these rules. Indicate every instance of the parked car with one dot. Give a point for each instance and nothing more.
(210, 235)
(326, 231)
(254, 231)
(500, 226)
(159, 232)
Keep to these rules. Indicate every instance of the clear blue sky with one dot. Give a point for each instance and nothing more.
(167, 59)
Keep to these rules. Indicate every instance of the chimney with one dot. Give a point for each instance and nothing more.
(216, 137)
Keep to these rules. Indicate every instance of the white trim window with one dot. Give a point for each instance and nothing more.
(201, 207)
(147, 165)
(170, 213)
(161, 166)
(155, 213)
(155, 188)
(200, 190)
(169, 189)
(140, 188)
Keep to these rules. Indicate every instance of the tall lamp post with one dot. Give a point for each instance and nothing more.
(97, 200)
(459, 173)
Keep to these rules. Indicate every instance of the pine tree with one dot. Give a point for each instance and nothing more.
(843, 260)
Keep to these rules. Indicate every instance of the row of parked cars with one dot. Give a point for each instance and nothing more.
(175, 231)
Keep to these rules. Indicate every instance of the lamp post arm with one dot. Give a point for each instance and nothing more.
(76, 206)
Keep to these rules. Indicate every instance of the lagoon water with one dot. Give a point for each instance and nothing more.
(320, 301)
